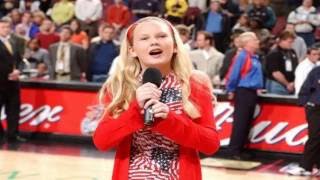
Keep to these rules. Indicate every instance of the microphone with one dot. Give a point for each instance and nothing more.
(151, 75)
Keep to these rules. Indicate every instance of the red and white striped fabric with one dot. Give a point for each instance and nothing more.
(154, 156)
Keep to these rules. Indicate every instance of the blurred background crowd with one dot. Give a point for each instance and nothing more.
(78, 40)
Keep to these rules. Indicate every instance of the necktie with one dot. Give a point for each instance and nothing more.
(62, 52)
(8, 46)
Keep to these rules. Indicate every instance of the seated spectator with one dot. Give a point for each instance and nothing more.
(37, 18)
(26, 23)
(206, 58)
(47, 35)
(201, 5)
(35, 55)
(175, 10)
(243, 23)
(304, 67)
(305, 18)
(256, 26)
(6, 6)
(144, 8)
(194, 21)
(118, 15)
(62, 12)
(263, 12)
(67, 59)
(101, 55)
(89, 12)
(298, 45)
(79, 36)
(281, 63)
(29, 5)
(184, 32)
(15, 16)
(42, 72)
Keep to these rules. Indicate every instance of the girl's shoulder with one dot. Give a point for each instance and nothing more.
(200, 81)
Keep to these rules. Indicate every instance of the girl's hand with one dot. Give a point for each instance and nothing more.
(147, 91)
(160, 110)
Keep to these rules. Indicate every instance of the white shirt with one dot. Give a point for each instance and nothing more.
(301, 73)
(205, 54)
(88, 9)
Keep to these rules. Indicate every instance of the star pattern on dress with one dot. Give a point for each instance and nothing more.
(163, 157)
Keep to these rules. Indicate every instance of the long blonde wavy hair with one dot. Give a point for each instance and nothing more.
(122, 84)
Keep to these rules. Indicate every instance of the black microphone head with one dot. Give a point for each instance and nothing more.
(153, 76)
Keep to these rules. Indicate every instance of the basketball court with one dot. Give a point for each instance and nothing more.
(63, 161)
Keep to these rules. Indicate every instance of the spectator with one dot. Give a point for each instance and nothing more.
(7, 6)
(206, 58)
(281, 63)
(15, 16)
(36, 56)
(118, 15)
(184, 32)
(29, 5)
(298, 45)
(305, 18)
(89, 12)
(194, 21)
(79, 36)
(26, 22)
(256, 26)
(102, 54)
(175, 10)
(244, 80)
(305, 67)
(67, 59)
(62, 12)
(45, 5)
(144, 8)
(218, 24)
(243, 23)
(263, 12)
(47, 36)
(231, 10)
(198, 4)
(38, 17)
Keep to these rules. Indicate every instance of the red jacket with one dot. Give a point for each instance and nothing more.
(192, 135)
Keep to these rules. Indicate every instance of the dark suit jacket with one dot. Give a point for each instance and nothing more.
(19, 44)
(8, 62)
(78, 60)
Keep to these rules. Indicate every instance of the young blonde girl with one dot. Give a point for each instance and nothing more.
(182, 107)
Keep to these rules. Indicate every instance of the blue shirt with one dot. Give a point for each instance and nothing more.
(214, 22)
(103, 56)
(250, 78)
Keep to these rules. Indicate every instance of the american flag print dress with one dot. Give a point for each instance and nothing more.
(153, 156)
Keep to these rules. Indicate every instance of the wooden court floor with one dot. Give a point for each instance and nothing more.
(15, 165)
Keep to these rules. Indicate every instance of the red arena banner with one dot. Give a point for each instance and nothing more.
(276, 127)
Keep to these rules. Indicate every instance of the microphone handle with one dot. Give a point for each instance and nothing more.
(148, 116)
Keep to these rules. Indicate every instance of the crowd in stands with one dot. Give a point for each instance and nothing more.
(79, 39)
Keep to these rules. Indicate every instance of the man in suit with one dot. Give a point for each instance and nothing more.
(207, 58)
(9, 83)
(68, 61)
